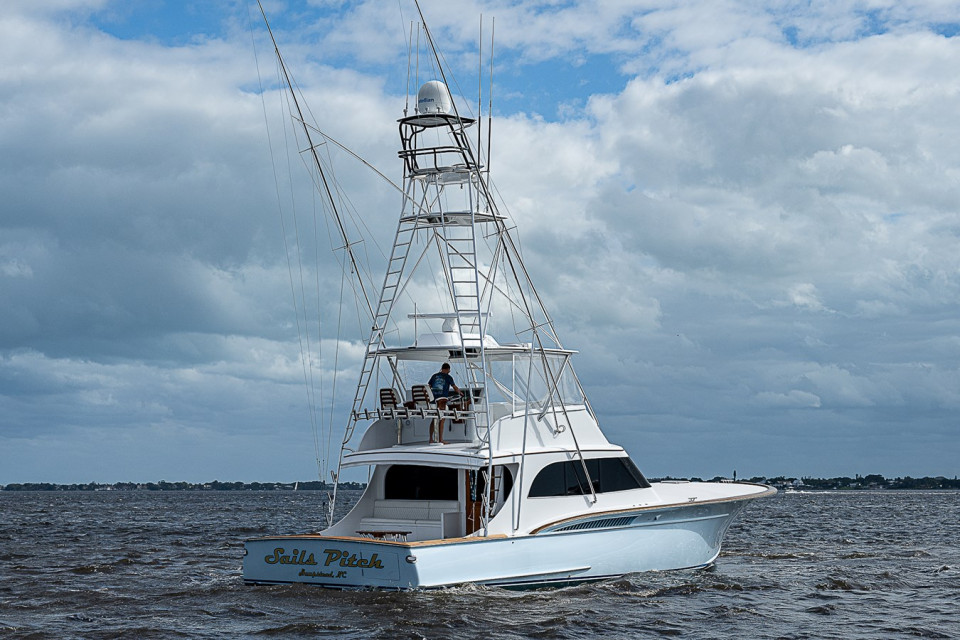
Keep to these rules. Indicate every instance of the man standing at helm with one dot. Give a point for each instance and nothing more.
(440, 384)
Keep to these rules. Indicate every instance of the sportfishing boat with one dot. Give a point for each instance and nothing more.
(511, 481)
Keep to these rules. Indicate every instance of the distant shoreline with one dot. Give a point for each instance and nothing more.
(312, 485)
(872, 482)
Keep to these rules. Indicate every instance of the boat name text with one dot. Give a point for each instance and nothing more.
(347, 559)
(334, 556)
(297, 557)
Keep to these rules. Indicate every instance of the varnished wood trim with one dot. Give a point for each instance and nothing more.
(391, 543)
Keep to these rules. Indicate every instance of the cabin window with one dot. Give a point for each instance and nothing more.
(559, 479)
(414, 482)
(619, 474)
(567, 478)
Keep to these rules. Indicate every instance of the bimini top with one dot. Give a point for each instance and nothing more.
(438, 353)
(447, 344)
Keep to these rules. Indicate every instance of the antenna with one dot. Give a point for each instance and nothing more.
(416, 75)
(406, 105)
(480, 86)
(493, 28)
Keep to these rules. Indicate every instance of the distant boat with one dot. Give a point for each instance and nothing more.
(515, 484)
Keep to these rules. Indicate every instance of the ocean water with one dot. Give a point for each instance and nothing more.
(844, 565)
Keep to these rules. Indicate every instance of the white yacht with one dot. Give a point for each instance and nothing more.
(514, 484)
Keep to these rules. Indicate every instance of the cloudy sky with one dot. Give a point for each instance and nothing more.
(745, 215)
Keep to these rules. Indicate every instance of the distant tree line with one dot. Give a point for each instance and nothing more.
(845, 483)
(163, 485)
(875, 481)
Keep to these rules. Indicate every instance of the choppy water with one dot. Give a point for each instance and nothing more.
(167, 565)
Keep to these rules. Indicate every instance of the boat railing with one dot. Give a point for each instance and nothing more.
(434, 160)
(402, 413)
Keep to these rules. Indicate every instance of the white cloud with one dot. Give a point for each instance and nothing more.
(791, 399)
(756, 225)
(805, 296)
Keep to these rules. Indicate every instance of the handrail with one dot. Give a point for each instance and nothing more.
(416, 412)
(411, 155)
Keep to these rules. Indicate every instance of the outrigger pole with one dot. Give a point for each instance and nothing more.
(347, 245)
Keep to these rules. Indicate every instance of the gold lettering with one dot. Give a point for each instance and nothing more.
(316, 574)
(297, 557)
(346, 559)
(332, 556)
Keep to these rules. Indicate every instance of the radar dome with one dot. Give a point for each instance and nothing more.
(434, 97)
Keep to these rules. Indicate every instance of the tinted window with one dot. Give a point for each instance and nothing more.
(619, 474)
(412, 482)
(568, 479)
(560, 479)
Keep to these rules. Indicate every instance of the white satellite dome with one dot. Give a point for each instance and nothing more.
(434, 97)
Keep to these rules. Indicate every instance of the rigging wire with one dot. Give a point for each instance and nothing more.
(305, 361)
(336, 361)
(307, 357)
(321, 460)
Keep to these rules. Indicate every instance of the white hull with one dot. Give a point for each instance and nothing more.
(653, 539)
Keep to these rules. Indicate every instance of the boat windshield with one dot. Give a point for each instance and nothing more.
(539, 381)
